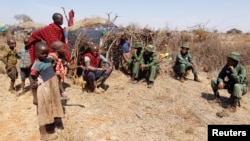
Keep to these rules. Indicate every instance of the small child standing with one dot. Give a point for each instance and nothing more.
(10, 61)
(25, 64)
(57, 59)
(44, 79)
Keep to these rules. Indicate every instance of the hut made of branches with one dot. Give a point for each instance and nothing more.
(107, 35)
(110, 41)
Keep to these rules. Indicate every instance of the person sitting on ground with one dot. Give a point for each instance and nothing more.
(135, 60)
(98, 69)
(10, 60)
(233, 78)
(45, 81)
(58, 61)
(125, 47)
(25, 64)
(185, 62)
(150, 64)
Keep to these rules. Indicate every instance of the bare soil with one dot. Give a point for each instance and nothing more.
(170, 111)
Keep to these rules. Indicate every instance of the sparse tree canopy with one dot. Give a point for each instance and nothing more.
(22, 18)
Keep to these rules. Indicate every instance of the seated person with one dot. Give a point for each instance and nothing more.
(236, 82)
(150, 64)
(98, 69)
(135, 60)
(185, 62)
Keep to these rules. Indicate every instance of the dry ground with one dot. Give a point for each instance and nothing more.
(170, 111)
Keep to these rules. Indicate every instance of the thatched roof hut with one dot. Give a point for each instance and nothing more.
(30, 24)
(88, 23)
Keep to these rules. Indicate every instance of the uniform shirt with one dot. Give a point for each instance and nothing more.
(25, 58)
(186, 59)
(149, 60)
(237, 75)
(11, 57)
(138, 56)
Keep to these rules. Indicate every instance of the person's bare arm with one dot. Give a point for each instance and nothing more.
(89, 67)
(34, 83)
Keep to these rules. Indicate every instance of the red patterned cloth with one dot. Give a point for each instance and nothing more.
(48, 34)
(59, 68)
(94, 61)
(71, 18)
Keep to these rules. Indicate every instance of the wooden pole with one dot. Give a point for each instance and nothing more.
(65, 15)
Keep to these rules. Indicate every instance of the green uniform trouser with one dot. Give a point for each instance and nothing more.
(152, 72)
(237, 91)
(136, 69)
(182, 68)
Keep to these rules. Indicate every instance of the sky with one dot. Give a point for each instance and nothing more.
(221, 15)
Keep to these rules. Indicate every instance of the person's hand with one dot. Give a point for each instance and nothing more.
(193, 65)
(143, 66)
(101, 69)
(221, 85)
(133, 51)
(83, 67)
(231, 67)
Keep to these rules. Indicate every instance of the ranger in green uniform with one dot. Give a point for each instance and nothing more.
(233, 78)
(134, 62)
(185, 62)
(150, 63)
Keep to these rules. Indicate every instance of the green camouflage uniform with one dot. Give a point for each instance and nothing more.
(236, 83)
(134, 64)
(184, 63)
(152, 65)
(234, 80)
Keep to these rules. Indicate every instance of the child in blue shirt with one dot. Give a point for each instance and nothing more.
(25, 63)
(47, 98)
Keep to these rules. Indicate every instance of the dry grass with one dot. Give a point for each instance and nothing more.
(131, 111)
(88, 23)
(30, 24)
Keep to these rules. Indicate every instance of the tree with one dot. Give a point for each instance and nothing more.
(23, 18)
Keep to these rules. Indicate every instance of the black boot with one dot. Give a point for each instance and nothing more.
(216, 97)
(230, 100)
(232, 107)
(182, 77)
(196, 78)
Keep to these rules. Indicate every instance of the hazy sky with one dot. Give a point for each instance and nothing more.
(222, 15)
